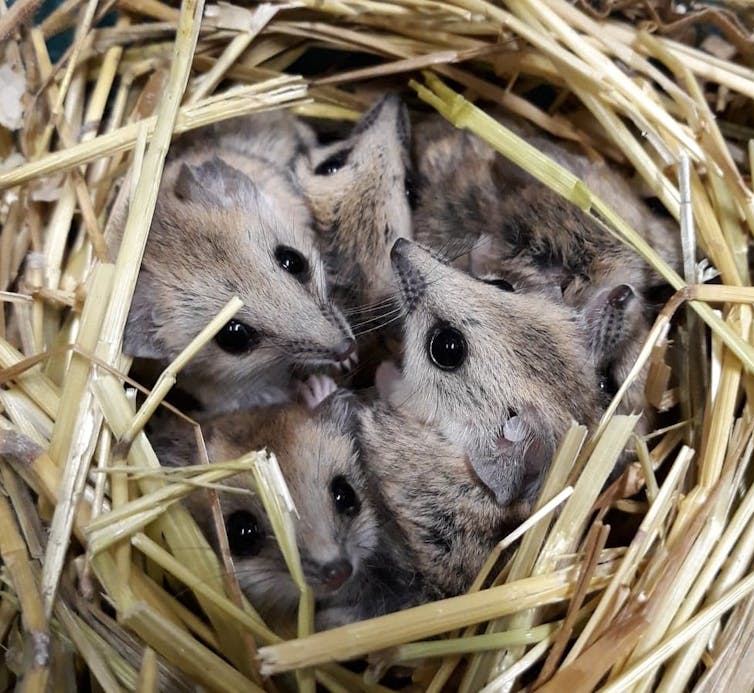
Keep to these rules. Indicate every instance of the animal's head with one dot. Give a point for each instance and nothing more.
(216, 233)
(335, 523)
(360, 191)
(502, 373)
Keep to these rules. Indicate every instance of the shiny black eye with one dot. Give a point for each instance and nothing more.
(607, 384)
(410, 187)
(447, 347)
(346, 500)
(333, 164)
(237, 337)
(245, 536)
(292, 262)
(500, 284)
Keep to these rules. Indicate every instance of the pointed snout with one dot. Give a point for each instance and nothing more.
(399, 249)
(345, 349)
(388, 115)
(403, 256)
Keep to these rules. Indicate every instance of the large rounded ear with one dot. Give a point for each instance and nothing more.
(501, 475)
(518, 464)
(141, 340)
(213, 183)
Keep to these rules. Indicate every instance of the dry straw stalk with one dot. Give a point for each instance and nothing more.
(650, 612)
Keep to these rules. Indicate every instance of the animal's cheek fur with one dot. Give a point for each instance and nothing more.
(363, 535)
(269, 589)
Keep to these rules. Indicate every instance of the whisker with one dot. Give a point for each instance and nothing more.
(398, 317)
(378, 319)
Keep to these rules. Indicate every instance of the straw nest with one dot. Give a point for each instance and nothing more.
(93, 542)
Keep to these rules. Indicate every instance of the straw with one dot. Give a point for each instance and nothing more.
(668, 607)
(346, 642)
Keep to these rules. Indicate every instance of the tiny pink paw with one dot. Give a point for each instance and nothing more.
(387, 376)
(315, 389)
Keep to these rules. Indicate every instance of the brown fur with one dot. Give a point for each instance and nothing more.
(494, 220)
(526, 358)
(219, 218)
(361, 208)
(544, 243)
(462, 181)
(457, 196)
(312, 449)
(277, 136)
(449, 521)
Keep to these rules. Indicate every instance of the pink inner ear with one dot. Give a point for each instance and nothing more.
(515, 429)
(535, 452)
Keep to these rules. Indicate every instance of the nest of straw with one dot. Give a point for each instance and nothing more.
(92, 538)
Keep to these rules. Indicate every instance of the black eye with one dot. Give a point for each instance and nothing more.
(292, 262)
(237, 337)
(244, 533)
(346, 500)
(447, 347)
(500, 284)
(333, 164)
(607, 384)
(410, 190)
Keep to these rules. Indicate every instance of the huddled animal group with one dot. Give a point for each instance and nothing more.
(421, 322)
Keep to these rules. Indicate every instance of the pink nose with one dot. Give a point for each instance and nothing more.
(335, 574)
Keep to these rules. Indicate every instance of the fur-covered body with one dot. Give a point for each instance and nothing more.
(358, 191)
(222, 217)
(526, 374)
(465, 189)
(313, 450)
(494, 220)
(447, 520)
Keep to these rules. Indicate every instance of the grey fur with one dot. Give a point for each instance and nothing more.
(494, 220)
(277, 135)
(311, 452)
(220, 216)
(463, 181)
(527, 358)
(444, 522)
(362, 208)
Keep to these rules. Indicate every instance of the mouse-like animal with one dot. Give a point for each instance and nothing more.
(336, 524)
(437, 517)
(500, 374)
(466, 189)
(546, 244)
(494, 220)
(449, 521)
(225, 224)
(277, 136)
(360, 191)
